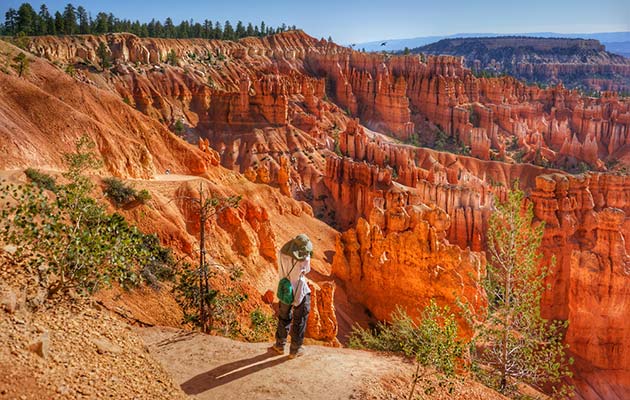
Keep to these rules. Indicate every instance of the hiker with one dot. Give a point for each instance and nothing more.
(294, 262)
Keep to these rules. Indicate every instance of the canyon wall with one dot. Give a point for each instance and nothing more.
(282, 111)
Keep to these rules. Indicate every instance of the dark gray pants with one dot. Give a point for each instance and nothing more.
(299, 316)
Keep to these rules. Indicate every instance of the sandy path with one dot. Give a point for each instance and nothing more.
(210, 367)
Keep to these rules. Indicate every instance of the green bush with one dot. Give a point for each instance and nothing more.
(143, 196)
(71, 240)
(262, 326)
(118, 191)
(433, 343)
(123, 194)
(41, 179)
(223, 306)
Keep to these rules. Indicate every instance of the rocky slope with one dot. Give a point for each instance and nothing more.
(69, 350)
(281, 111)
(577, 63)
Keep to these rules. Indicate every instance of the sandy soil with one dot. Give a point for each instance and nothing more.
(211, 367)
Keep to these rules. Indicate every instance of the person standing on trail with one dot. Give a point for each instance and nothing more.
(294, 262)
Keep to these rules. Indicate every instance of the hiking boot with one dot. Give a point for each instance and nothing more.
(277, 349)
(298, 353)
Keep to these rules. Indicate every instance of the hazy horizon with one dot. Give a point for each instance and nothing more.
(354, 21)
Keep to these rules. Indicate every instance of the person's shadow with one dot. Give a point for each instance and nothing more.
(229, 372)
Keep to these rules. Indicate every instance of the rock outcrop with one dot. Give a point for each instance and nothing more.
(399, 258)
(587, 230)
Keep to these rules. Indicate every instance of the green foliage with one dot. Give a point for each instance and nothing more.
(71, 239)
(178, 127)
(122, 193)
(441, 140)
(73, 20)
(102, 52)
(338, 149)
(414, 140)
(143, 196)
(172, 58)
(224, 305)
(514, 339)
(433, 344)
(22, 64)
(262, 326)
(583, 167)
(118, 191)
(70, 70)
(41, 179)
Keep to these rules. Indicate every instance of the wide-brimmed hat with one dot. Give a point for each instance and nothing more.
(299, 247)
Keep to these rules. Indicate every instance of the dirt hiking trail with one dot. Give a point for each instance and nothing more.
(212, 367)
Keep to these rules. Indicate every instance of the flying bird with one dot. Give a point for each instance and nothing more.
(383, 44)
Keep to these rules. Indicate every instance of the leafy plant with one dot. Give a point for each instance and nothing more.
(118, 191)
(223, 306)
(70, 238)
(262, 325)
(123, 194)
(22, 64)
(41, 179)
(172, 58)
(102, 52)
(514, 340)
(433, 344)
(178, 127)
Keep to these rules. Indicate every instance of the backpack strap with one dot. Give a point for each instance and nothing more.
(294, 262)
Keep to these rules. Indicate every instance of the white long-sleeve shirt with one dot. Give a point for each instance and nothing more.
(296, 276)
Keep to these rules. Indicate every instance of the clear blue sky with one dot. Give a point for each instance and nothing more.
(359, 21)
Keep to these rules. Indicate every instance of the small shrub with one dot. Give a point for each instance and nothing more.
(433, 343)
(70, 70)
(118, 191)
(178, 127)
(172, 58)
(41, 179)
(262, 326)
(143, 196)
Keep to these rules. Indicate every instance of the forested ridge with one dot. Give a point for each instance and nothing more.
(77, 20)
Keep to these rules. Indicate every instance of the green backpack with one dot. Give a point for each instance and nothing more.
(285, 289)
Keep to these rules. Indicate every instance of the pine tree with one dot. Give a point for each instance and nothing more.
(60, 28)
(218, 32)
(228, 31)
(10, 21)
(21, 64)
(240, 30)
(515, 340)
(46, 23)
(100, 24)
(103, 54)
(84, 23)
(263, 28)
(70, 20)
(26, 19)
(169, 28)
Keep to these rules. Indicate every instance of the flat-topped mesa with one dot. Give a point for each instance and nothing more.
(398, 257)
(587, 230)
(548, 61)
